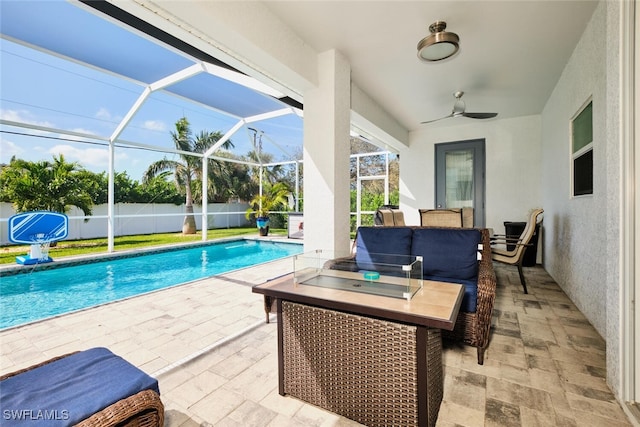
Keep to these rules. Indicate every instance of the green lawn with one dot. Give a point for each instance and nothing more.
(67, 248)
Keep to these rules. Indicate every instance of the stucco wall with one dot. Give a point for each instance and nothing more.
(512, 151)
(575, 228)
(614, 177)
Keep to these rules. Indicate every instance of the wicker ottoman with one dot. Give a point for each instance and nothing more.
(89, 388)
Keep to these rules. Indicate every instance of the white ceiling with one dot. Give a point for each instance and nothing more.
(511, 52)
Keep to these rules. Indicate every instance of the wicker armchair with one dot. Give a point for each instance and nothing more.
(473, 328)
(143, 409)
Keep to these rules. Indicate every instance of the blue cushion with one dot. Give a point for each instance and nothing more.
(373, 243)
(470, 298)
(447, 252)
(70, 389)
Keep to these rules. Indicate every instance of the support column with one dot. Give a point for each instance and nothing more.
(327, 112)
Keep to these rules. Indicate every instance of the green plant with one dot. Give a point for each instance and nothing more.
(47, 185)
(273, 197)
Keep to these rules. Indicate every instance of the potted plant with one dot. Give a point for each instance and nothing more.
(274, 197)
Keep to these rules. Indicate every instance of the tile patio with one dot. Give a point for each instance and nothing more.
(215, 357)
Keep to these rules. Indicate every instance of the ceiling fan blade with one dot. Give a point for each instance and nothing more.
(480, 115)
(435, 120)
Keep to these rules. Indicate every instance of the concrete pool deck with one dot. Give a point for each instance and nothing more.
(216, 359)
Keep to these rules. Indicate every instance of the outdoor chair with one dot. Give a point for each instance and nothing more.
(456, 217)
(520, 244)
(389, 216)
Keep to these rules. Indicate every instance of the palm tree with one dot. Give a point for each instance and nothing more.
(189, 170)
(239, 180)
(272, 174)
(54, 186)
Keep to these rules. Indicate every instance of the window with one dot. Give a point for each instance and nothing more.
(582, 151)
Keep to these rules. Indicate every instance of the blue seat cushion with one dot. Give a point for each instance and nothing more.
(378, 245)
(470, 298)
(445, 252)
(70, 389)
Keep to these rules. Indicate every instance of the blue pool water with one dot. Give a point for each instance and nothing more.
(44, 293)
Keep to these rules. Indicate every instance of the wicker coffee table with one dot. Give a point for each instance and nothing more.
(374, 359)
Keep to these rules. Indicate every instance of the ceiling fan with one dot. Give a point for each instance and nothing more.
(459, 110)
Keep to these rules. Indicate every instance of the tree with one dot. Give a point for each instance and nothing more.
(189, 170)
(54, 186)
(270, 174)
(158, 190)
(240, 183)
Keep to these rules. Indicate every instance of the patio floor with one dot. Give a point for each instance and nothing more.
(215, 357)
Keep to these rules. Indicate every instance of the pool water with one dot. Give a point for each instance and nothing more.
(49, 292)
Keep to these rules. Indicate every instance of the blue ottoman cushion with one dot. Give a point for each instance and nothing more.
(71, 389)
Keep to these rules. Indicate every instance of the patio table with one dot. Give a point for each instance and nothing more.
(374, 359)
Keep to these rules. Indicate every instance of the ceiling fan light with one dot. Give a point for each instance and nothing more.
(439, 44)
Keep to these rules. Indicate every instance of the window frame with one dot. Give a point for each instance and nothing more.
(586, 148)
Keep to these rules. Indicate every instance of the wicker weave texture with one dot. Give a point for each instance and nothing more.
(364, 369)
(474, 328)
(144, 409)
(440, 218)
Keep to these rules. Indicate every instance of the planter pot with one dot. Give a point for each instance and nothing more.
(263, 225)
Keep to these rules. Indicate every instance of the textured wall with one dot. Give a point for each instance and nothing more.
(575, 228)
(614, 327)
(512, 150)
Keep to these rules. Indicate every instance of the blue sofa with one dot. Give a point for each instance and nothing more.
(449, 255)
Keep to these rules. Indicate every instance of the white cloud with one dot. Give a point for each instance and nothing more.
(21, 149)
(155, 125)
(9, 149)
(22, 116)
(104, 114)
(93, 158)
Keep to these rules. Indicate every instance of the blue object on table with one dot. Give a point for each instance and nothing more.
(371, 275)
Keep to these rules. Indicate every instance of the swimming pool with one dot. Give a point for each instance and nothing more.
(44, 293)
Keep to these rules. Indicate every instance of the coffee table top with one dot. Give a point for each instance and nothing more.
(435, 305)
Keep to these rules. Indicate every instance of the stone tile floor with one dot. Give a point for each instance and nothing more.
(215, 357)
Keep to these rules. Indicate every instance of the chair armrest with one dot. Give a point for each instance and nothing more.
(486, 291)
(507, 240)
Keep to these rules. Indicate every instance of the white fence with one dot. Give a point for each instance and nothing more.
(132, 218)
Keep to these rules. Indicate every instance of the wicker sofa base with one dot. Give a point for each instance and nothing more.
(375, 372)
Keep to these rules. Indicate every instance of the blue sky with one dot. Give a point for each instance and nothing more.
(41, 89)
